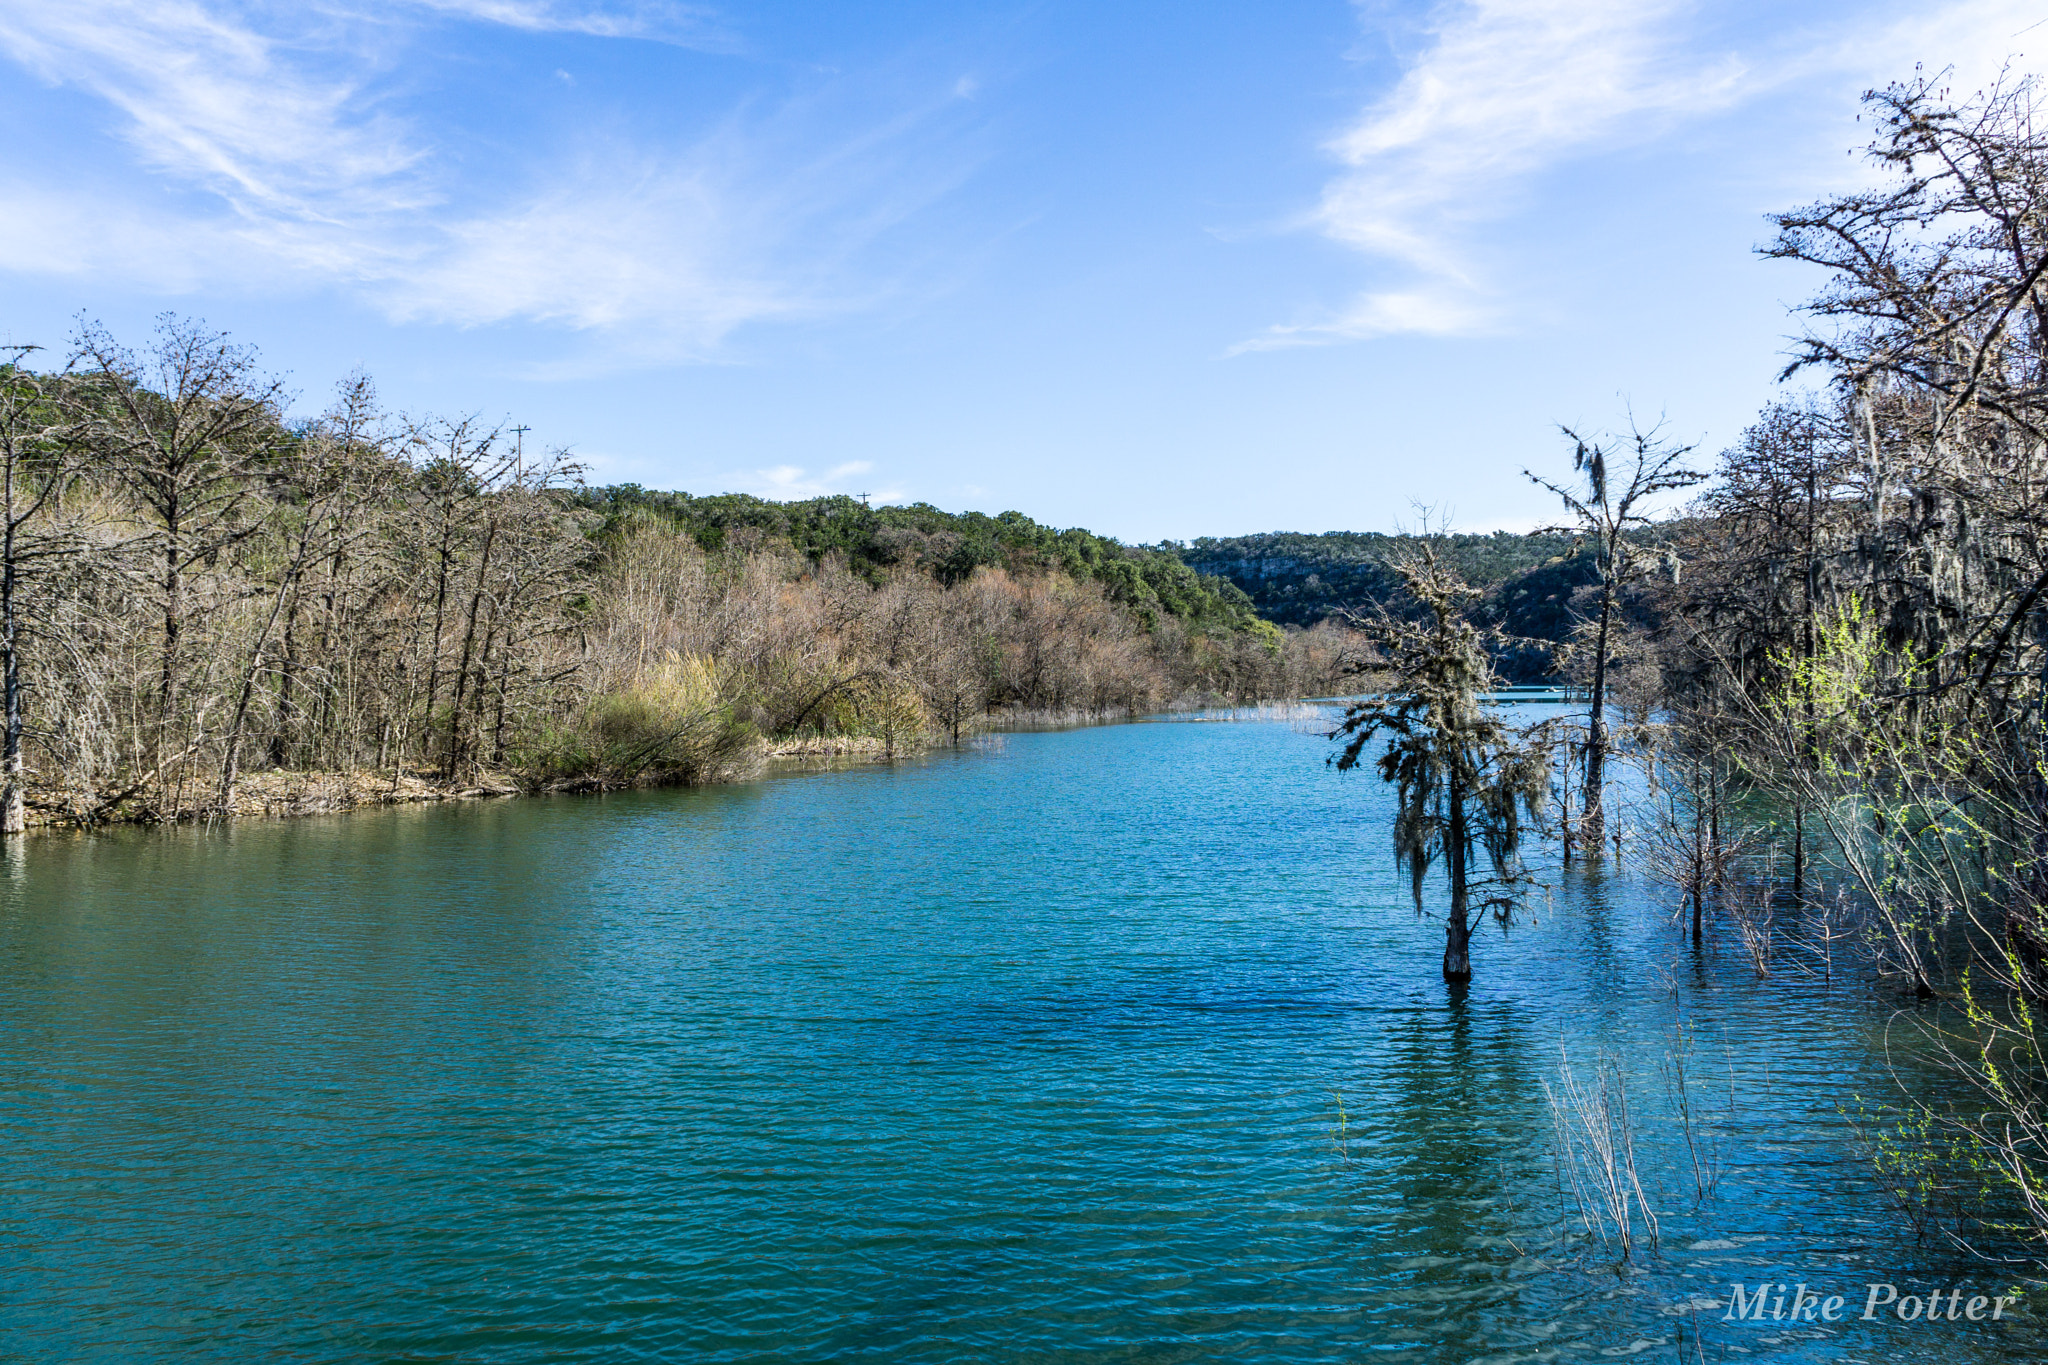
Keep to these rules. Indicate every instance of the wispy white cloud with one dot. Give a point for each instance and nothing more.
(212, 101)
(1436, 308)
(788, 483)
(680, 245)
(687, 25)
(1975, 39)
(71, 233)
(288, 168)
(1510, 86)
(1504, 90)
(1974, 42)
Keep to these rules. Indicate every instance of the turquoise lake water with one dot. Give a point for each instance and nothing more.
(1115, 1044)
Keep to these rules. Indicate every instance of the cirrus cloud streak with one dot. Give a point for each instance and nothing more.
(1506, 91)
(284, 155)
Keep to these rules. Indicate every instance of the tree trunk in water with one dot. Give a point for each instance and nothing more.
(1718, 865)
(1457, 926)
(1457, 950)
(1564, 800)
(1596, 733)
(1799, 853)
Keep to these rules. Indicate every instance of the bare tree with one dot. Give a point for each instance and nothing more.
(333, 476)
(1684, 846)
(1766, 567)
(1607, 511)
(526, 551)
(35, 466)
(1938, 281)
(343, 497)
(1594, 1136)
(188, 430)
(458, 464)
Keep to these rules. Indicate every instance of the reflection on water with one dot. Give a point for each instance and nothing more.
(1114, 1044)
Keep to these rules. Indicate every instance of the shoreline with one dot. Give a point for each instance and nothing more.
(291, 794)
(280, 794)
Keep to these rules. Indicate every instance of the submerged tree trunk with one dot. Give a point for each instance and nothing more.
(1594, 819)
(1457, 950)
(1799, 852)
(1457, 924)
(1567, 830)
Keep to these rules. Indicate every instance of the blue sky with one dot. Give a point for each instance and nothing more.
(1162, 270)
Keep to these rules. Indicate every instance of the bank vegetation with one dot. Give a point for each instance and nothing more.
(209, 607)
(1821, 718)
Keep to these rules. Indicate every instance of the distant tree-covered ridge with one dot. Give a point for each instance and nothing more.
(1235, 585)
(1297, 579)
(1219, 587)
(873, 541)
